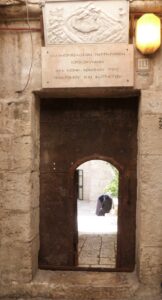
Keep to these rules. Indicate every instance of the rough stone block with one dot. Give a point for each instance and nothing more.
(151, 102)
(21, 190)
(1, 181)
(150, 224)
(17, 189)
(149, 204)
(150, 131)
(16, 262)
(22, 118)
(156, 62)
(18, 226)
(22, 148)
(150, 265)
(5, 152)
(149, 181)
(23, 157)
(16, 66)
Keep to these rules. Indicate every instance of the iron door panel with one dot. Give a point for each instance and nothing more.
(57, 225)
(72, 129)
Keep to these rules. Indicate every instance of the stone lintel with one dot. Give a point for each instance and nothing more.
(102, 92)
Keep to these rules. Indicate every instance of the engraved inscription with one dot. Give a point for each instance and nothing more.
(87, 65)
(143, 67)
(143, 64)
(93, 22)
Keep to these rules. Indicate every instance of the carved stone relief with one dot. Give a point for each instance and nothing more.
(86, 22)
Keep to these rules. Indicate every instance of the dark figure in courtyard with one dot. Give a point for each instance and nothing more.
(104, 205)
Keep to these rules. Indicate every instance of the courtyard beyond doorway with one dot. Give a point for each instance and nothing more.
(97, 237)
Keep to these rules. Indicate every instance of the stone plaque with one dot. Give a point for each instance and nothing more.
(86, 22)
(87, 66)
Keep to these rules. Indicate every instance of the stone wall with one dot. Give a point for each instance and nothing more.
(149, 221)
(19, 185)
(19, 156)
(149, 205)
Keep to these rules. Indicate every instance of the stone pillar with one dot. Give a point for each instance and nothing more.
(19, 157)
(149, 204)
(19, 191)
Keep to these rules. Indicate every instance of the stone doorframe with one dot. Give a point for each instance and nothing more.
(53, 180)
(148, 268)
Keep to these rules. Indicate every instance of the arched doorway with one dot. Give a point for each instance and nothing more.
(97, 214)
(74, 131)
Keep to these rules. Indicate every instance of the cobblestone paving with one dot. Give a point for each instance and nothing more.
(97, 237)
(97, 250)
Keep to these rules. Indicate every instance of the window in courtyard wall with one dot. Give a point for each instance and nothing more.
(97, 215)
(80, 184)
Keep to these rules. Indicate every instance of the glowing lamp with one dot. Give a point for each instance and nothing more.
(148, 33)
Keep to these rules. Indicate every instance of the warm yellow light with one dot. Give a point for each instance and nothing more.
(148, 33)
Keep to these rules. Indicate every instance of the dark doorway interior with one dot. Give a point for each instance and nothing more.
(74, 131)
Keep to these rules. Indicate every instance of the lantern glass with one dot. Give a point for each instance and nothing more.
(148, 33)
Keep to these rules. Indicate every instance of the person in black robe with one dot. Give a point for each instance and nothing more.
(104, 205)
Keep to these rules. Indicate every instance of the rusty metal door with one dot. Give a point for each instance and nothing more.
(72, 129)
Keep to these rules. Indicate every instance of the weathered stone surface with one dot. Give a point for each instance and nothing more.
(157, 84)
(18, 154)
(149, 200)
(81, 285)
(150, 132)
(19, 179)
(150, 173)
(151, 262)
(17, 66)
(151, 102)
(16, 262)
(77, 285)
(15, 116)
(5, 154)
(151, 237)
(18, 226)
(18, 191)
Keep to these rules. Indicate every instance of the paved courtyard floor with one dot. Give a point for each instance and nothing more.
(97, 237)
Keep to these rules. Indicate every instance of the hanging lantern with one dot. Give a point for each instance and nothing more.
(148, 33)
